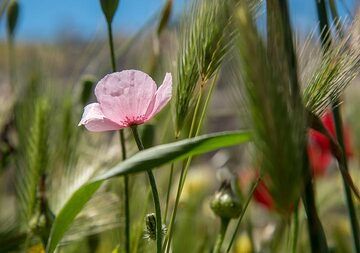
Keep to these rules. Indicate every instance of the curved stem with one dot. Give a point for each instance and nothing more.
(349, 200)
(168, 191)
(123, 151)
(295, 230)
(324, 25)
(221, 236)
(154, 193)
(187, 164)
(243, 213)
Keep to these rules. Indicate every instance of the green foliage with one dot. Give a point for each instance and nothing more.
(277, 121)
(205, 40)
(35, 163)
(142, 161)
(333, 72)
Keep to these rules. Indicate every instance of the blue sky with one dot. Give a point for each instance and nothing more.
(48, 19)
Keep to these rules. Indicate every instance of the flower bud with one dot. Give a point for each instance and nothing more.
(109, 8)
(150, 229)
(12, 17)
(226, 204)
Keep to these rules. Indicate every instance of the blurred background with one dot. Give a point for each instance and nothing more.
(59, 44)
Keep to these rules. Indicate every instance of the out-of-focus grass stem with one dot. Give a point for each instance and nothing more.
(316, 233)
(247, 202)
(12, 64)
(324, 26)
(186, 164)
(171, 174)
(295, 231)
(123, 150)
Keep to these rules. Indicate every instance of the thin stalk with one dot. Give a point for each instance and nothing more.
(206, 104)
(111, 45)
(123, 151)
(186, 165)
(295, 233)
(324, 25)
(154, 193)
(182, 176)
(12, 64)
(247, 202)
(196, 110)
(316, 232)
(171, 175)
(349, 200)
(221, 236)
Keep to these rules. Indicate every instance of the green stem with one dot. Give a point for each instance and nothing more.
(349, 200)
(295, 230)
(154, 193)
(247, 202)
(127, 195)
(111, 45)
(196, 110)
(127, 213)
(12, 64)
(323, 19)
(186, 165)
(123, 151)
(168, 191)
(206, 104)
(316, 232)
(183, 173)
(221, 236)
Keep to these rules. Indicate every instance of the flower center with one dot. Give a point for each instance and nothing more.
(134, 120)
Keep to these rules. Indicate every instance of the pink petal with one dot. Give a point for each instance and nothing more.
(94, 120)
(162, 96)
(125, 95)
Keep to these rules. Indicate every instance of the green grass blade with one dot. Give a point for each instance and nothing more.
(144, 160)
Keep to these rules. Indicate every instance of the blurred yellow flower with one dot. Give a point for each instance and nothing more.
(243, 244)
(37, 248)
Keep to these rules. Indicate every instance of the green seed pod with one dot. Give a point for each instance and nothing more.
(109, 8)
(12, 17)
(87, 84)
(150, 229)
(226, 204)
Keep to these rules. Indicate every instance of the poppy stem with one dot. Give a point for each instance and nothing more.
(221, 235)
(123, 151)
(154, 193)
(111, 45)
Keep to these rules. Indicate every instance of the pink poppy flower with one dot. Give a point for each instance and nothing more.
(125, 99)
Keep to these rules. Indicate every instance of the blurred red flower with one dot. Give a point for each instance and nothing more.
(319, 150)
(320, 157)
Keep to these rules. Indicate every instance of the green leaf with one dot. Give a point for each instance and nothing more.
(142, 161)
